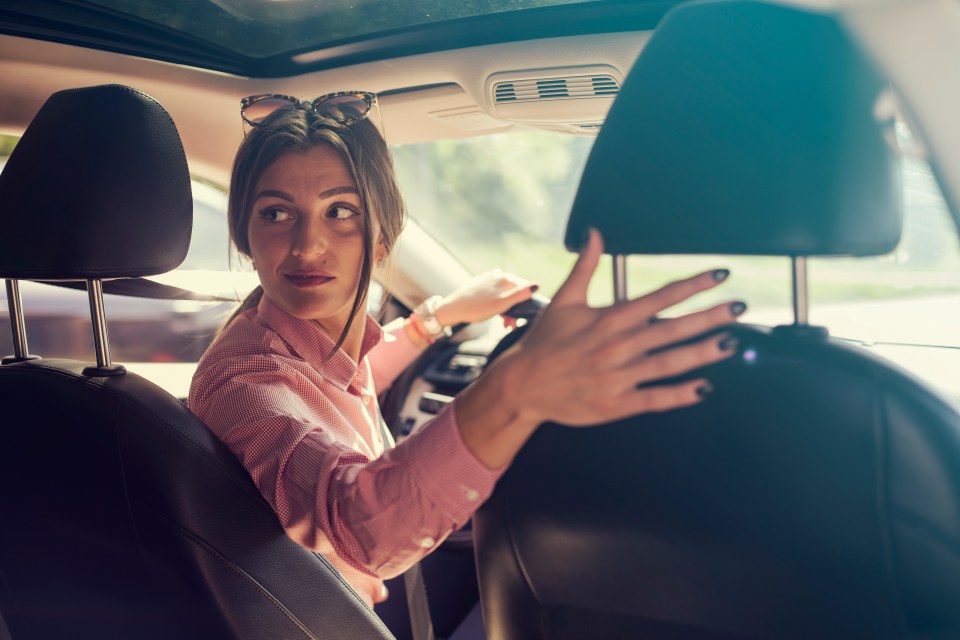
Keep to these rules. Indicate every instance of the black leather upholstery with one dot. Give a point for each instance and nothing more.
(743, 128)
(122, 515)
(815, 493)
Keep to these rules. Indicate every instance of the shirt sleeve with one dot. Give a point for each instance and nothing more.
(379, 515)
(392, 355)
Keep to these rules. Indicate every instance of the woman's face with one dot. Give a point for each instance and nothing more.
(306, 236)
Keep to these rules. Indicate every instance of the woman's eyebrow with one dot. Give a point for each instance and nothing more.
(275, 194)
(329, 193)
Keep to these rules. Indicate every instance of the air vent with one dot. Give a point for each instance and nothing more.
(539, 89)
(572, 99)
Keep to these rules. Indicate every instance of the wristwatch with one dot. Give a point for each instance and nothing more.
(426, 315)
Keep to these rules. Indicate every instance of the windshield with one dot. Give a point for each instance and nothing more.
(502, 201)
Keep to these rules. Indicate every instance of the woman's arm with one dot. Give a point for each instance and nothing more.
(485, 296)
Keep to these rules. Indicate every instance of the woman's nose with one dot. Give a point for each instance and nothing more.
(309, 240)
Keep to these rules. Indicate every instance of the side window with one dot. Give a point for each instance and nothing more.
(903, 305)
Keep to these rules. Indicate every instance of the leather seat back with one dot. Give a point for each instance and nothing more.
(814, 495)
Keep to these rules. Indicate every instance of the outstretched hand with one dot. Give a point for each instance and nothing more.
(487, 295)
(581, 365)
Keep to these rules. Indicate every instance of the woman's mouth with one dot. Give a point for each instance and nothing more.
(304, 279)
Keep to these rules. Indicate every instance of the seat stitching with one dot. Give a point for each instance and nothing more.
(213, 552)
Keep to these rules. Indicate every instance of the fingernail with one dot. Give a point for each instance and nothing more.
(720, 275)
(704, 390)
(534, 288)
(585, 238)
(737, 308)
(728, 344)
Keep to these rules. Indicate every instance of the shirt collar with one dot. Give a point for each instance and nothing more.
(312, 345)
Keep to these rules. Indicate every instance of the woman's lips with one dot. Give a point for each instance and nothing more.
(308, 279)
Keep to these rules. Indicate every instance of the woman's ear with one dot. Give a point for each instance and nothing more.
(379, 254)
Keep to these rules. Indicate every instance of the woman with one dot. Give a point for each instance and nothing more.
(290, 384)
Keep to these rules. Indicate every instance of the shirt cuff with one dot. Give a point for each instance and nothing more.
(447, 470)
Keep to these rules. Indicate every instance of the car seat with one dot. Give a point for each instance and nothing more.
(122, 515)
(816, 492)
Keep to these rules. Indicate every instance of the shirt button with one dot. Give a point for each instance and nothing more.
(427, 542)
(471, 495)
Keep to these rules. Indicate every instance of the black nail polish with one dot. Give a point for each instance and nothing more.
(728, 344)
(720, 274)
(737, 308)
(534, 288)
(704, 390)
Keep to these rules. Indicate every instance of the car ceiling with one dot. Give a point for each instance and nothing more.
(40, 55)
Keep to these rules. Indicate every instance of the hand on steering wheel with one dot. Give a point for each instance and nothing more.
(486, 295)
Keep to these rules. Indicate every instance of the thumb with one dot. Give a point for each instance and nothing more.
(574, 288)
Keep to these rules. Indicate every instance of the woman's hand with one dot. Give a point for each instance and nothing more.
(582, 366)
(483, 297)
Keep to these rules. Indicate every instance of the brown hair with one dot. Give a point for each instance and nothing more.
(366, 156)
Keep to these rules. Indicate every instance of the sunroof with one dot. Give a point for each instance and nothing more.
(277, 38)
(264, 28)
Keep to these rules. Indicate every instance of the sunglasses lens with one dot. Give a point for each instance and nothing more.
(343, 108)
(260, 109)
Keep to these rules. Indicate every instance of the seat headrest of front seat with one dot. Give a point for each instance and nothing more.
(97, 187)
(744, 128)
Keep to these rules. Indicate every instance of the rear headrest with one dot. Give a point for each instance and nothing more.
(744, 128)
(97, 187)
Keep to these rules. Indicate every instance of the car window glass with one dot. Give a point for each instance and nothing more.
(502, 201)
(253, 27)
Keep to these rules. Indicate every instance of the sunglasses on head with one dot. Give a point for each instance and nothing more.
(346, 107)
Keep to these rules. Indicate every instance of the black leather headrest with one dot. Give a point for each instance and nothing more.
(97, 187)
(743, 128)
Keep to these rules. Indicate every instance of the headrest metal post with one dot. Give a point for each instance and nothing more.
(97, 315)
(619, 278)
(17, 326)
(800, 295)
(101, 342)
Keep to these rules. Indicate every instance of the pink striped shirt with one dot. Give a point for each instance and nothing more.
(308, 433)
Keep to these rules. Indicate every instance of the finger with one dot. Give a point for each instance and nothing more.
(676, 292)
(517, 295)
(673, 330)
(636, 343)
(666, 397)
(680, 360)
(574, 288)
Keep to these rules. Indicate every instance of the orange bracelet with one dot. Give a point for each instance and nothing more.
(416, 327)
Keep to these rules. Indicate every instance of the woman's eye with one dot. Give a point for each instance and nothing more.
(341, 213)
(275, 215)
